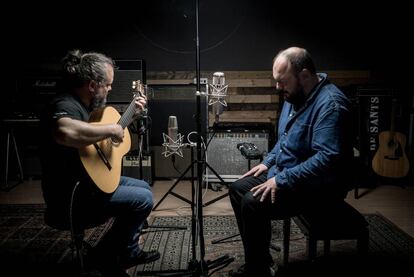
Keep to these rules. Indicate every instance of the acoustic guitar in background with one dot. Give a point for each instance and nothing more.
(390, 159)
(411, 135)
(103, 159)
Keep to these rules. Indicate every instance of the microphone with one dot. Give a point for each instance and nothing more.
(172, 129)
(218, 93)
(173, 141)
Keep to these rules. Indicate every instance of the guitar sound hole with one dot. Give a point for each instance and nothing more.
(116, 143)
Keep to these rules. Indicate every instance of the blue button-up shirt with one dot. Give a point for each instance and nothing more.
(315, 142)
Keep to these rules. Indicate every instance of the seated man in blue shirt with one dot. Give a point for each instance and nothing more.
(306, 168)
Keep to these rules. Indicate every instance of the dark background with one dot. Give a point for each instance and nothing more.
(235, 35)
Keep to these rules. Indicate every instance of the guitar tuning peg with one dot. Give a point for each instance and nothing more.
(134, 84)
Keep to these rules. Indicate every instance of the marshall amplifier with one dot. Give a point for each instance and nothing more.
(224, 156)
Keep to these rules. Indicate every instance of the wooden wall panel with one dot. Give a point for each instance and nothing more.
(251, 95)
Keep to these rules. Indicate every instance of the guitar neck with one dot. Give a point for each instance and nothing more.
(128, 116)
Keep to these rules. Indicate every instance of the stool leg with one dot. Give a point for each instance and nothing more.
(286, 241)
(7, 157)
(311, 248)
(362, 242)
(78, 244)
(17, 156)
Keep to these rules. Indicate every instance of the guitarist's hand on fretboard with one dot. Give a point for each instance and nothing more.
(140, 105)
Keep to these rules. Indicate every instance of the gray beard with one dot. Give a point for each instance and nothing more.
(98, 103)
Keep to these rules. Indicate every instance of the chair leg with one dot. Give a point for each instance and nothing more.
(311, 245)
(286, 241)
(362, 243)
(326, 247)
(78, 248)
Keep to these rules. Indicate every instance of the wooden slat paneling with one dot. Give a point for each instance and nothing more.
(251, 95)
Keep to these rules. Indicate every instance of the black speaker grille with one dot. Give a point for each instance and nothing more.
(126, 71)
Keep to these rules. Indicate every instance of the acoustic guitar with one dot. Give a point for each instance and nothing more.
(103, 159)
(390, 159)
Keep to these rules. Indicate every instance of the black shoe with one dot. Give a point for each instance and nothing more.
(142, 258)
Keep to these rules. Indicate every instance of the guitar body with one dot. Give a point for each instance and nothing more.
(105, 177)
(390, 159)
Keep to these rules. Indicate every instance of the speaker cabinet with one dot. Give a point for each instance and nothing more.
(224, 157)
(172, 166)
(180, 101)
(126, 71)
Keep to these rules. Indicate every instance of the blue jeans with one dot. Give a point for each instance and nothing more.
(129, 205)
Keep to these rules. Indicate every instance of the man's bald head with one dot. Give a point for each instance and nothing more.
(298, 58)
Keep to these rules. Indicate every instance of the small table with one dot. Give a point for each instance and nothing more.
(10, 125)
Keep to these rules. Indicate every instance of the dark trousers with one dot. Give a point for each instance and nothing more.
(254, 217)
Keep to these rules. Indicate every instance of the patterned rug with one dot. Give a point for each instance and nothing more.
(27, 246)
(390, 249)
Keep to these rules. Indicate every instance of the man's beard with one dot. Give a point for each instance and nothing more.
(297, 98)
(98, 102)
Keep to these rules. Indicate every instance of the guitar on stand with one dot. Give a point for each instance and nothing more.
(390, 160)
(103, 159)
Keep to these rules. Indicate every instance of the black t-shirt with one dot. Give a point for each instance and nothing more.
(61, 165)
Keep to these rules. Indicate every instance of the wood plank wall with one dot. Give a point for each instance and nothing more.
(251, 95)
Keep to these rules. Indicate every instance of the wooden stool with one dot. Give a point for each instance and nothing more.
(339, 222)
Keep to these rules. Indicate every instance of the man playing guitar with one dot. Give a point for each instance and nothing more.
(79, 138)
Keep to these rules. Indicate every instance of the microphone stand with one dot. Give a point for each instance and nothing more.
(143, 138)
(197, 267)
(197, 218)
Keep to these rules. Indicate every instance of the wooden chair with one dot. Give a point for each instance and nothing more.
(340, 222)
(77, 225)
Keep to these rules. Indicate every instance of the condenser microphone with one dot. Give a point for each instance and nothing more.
(173, 141)
(172, 129)
(218, 94)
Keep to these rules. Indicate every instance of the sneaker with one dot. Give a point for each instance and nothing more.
(142, 258)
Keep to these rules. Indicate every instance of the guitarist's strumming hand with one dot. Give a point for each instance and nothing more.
(117, 133)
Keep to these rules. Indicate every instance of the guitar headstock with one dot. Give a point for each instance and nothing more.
(140, 89)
